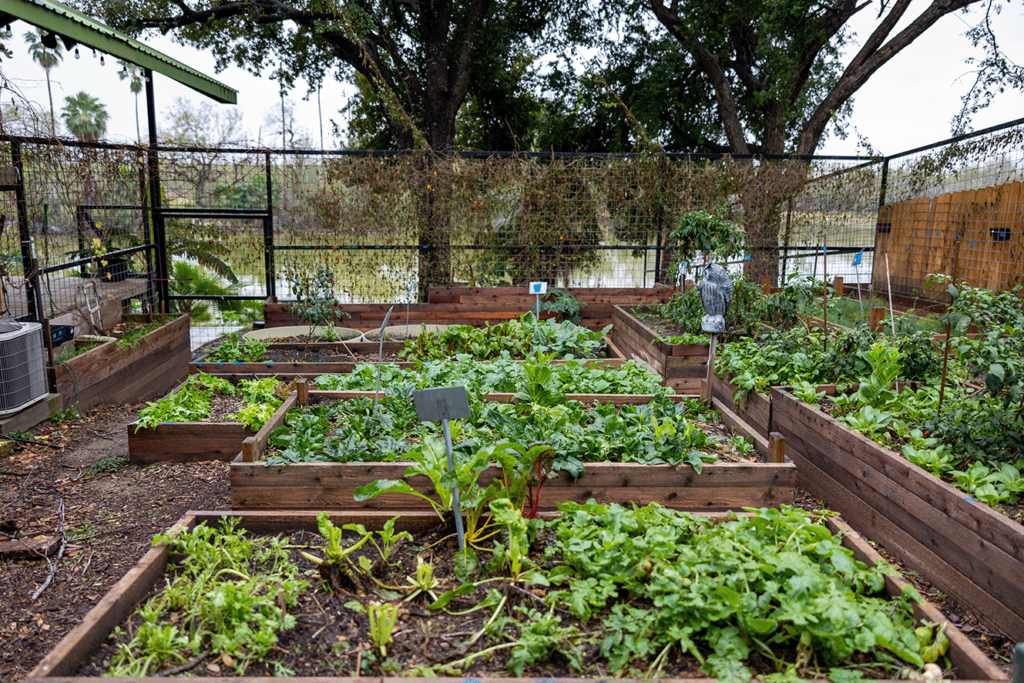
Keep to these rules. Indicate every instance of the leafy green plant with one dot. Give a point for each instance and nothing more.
(233, 592)
(383, 618)
(685, 338)
(133, 337)
(254, 415)
(235, 348)
(68, 415)
(564, 304)
(316, 303)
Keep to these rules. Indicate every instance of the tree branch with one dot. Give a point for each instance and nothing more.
(869, 59)
(708, 62)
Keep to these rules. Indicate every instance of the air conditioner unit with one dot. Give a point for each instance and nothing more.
(22, 369)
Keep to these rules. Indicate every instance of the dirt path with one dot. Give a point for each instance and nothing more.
(111, 512)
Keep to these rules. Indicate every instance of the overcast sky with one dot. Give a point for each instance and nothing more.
(908, 103)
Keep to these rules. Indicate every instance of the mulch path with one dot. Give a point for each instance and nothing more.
(111, 511)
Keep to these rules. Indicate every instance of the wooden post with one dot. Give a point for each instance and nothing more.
(839, 286)
(249, 449)
(766, 285)
(302, 387)
(877, 315)
(777, 447)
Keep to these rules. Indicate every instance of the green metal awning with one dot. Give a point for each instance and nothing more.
(57, 18)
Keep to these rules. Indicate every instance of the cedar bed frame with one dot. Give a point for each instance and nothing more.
(301, 486)
(60, 665)
(107, 375)
(964, 547)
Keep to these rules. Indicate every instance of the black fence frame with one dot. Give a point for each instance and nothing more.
(154, 214)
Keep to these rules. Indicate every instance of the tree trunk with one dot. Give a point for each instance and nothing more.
(434, 229)
(763, 193)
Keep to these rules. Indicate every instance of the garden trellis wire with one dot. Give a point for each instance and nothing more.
(236, 226)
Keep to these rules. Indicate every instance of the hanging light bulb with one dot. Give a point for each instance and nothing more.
(10, 34)
(77, 55)
(94, 53)
(124, 71)
(101, 60)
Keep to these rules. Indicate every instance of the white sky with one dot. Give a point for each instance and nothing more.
(909, 102)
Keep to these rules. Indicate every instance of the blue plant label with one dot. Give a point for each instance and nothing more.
(857, 258)
(538, 288)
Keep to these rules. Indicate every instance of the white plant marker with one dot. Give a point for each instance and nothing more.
(539, 289)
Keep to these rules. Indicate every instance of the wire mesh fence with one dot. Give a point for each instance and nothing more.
(236, 226)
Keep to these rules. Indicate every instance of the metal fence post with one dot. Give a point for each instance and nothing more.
(661, 216)
(268, 235)
(33, 301)
(153, 163)
(147, 235)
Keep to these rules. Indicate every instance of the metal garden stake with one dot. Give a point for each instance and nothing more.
(856, 262)
(380, 357)
(445, 403)
(408, 300)
(715, 295)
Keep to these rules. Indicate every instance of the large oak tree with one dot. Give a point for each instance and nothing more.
(781, 71)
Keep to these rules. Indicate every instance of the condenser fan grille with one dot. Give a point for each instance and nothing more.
(22, 369)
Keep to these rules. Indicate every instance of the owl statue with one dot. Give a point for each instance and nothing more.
(715, 294)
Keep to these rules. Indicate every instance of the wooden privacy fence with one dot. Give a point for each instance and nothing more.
(973, 235)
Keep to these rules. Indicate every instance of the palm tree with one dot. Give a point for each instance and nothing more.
(85, 116)
(133, 72)
(47, 58)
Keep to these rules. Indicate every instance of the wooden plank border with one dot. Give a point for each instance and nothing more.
(108, 375)
(965, 548)
(682, 366)
(290, 370)
(71, 653)
(300, 486)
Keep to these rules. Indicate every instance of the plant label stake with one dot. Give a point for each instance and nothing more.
(380, 357)
(856, 262)
(715, 295)
(408, 301)
(445, 403)
(539, 289)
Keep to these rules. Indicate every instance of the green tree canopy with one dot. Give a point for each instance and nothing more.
(419, 56)
(47, 58)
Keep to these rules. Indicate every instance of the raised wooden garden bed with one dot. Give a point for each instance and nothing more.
(754, 409)
(108, 375)
(683, 366)
(962, 546)
(365, 317)
(185, 442)
(304, 486)
(600, 302)
(78, 646)
(291, 370)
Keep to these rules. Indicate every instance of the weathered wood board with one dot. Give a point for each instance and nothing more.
(961, 545)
